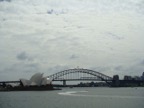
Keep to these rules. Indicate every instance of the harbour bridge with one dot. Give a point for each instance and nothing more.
(79, 75)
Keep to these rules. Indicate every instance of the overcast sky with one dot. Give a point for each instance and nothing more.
(49, 36)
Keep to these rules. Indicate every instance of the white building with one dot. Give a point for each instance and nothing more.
(36, 80)
(142, 76)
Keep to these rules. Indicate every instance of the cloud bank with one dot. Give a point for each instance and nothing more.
(49, 36)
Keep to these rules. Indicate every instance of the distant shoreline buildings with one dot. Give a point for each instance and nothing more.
(128, 77)
(128, 81)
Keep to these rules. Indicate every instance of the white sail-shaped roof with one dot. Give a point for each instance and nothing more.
(33, 84)
(45, 81)
(25, 82)
(37, 78)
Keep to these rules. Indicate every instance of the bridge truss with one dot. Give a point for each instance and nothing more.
(79, 74)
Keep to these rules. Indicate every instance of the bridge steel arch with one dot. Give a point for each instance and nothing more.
(99, 75)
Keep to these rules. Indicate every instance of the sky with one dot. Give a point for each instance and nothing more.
(50, 36)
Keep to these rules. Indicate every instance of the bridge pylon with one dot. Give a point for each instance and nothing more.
(64, 82)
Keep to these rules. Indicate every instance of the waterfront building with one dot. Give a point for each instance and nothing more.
(127, 77)
(142, 77)
(36, 80)
(115, 77)
(137, 78)
(116, 82)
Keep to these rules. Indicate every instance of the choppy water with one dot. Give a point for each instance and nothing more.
(75, 98)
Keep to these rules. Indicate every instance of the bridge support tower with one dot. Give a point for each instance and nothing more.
(64, 82)
(116, 82)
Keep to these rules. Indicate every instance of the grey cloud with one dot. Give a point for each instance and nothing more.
(62, 38)
(107, 70)
(101, 68)
(64, 41)
(50, 11)
(114, 36)
(92, 5)
(5, 0)
(24, 56)
(118, 68)
(29, 38)
(57, 12)
(134, 70)
(44, 36)
(57, 68)
(73, 56)
(142, 62)
(22, 67)
(17, 70)
(131, 69)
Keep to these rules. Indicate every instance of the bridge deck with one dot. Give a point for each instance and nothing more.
(1, 82)
(79, 80)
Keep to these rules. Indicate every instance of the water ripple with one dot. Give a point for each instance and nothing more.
(77, 93)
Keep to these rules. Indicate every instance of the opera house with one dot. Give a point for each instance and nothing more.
(36, 80)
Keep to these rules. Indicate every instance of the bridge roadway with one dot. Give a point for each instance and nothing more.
(79, 80)
(4, 83)
(1, 82)
(89, 79)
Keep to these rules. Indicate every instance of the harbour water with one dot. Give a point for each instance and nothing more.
(75, 98)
